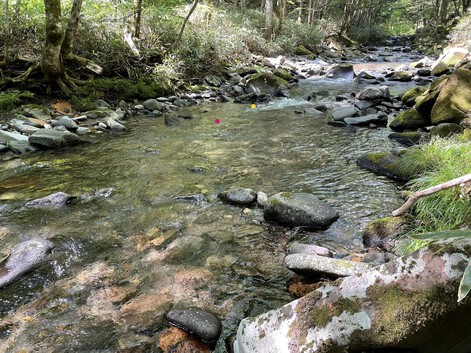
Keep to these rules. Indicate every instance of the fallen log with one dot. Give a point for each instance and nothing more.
(429, 191)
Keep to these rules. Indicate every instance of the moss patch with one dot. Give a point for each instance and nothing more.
(323, 316)
(13, 99)
(409, 119)
(413, 93)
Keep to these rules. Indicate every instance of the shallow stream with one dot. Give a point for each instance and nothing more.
(122, 260)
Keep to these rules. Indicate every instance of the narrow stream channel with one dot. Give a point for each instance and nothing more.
(121, 261)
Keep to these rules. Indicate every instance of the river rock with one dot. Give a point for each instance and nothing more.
(343, 70)
(409, 119)
(21, 147)
(381, 163)
(402, 76)
(381, 233)
(439, 69)
(3, 148)
(6, 136)
(239, 196)
(407, 138)
(36, 111)
(56, 200)
(309, 249)
(424, 103)
(319, 266)
(46, 138)
(266, 83)
(445, 130)
(262, 199)
(175, 340)
(377, 119)
(412, 94)
(370, 94)
(24, 128)
(23, 258)
(454, 101)
(299, 210)
(451, 57)
(114, 125)
(68, 123)
(200, 323)
(153, 104)
(345, 111)
(407, 304)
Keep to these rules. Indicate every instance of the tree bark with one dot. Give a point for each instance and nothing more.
(72, 27)
(185, 21)
(51, 61)
(413, 199)
(6, 28)
(443, 11)
(136, 30)
(268, 19)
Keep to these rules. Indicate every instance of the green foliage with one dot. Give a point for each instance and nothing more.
(11, 100)
(368, 34)
(433, 163)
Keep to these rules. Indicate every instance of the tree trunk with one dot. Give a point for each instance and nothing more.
(281, 14)
(185, 22)
(6, 42)
(268, 19)
(136, 31)
(72, 27)
(443, 11)
(51, 61)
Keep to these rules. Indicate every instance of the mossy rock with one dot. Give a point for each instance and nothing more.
(13, 99)
(409, 119)
(284, 74)
(382, 232)
(454, 101)
(446, 130)
(407, 138)
(267, 83)
(302, 50)
(413, 93)
(466, 135)
(424, 103)
(382, 163)
(440, 69)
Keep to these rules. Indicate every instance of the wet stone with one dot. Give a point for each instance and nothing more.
(240, 196)
(23, 258)
(56, 200)
(200, 323)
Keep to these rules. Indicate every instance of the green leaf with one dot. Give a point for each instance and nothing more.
(465, 284)
(444, 234)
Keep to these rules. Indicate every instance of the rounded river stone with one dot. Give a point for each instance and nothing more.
(239, 196)
(201, 323)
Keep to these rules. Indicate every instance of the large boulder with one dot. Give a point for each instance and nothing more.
(23, 258)
(451, 57)
(454, 101)
(344, 71)
(299, 210)
(46, 138)
(266, 83)
(409, 304)
(424, 103)
(409, 119)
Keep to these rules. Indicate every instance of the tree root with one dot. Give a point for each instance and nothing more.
(84, 62)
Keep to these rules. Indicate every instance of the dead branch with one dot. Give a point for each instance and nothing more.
(417, 195)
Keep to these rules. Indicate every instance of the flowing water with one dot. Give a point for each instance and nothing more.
(122, 260)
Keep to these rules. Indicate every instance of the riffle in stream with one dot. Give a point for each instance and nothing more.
(121, 261)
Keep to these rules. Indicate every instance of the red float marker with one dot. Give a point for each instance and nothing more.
(217, 121)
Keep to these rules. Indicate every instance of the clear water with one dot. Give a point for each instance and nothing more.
(120, 262)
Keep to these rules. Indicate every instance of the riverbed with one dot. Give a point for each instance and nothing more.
(158, 238)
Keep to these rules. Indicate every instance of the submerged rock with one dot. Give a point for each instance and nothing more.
(299, 210)
(409, 303)
(239, 196)
(200, 323)
(23, 258)
(407, 138)
(381, 163)
(56, 200)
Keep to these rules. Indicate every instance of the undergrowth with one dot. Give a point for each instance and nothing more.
(434, 163)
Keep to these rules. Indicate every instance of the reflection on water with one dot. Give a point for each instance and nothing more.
(121, 261)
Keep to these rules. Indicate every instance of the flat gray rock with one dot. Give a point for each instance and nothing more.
(364, 120)
(308, 264)
(200, 323)
(309, 249)
(343, 112)
(299, 210)
(240, 196)
(23, 258)
(56, 200)
(47, 138)
(68, 123)
(6, 136)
